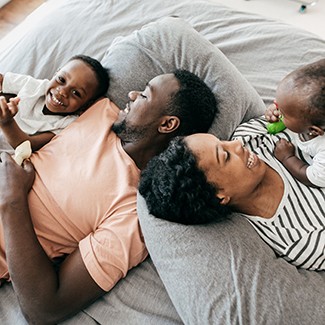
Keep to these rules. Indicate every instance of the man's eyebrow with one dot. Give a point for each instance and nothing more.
(150, 87)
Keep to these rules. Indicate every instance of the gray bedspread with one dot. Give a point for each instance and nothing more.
(261, 289)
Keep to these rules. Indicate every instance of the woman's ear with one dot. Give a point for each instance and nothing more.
(224, 199)
(169, 124)
(316, 130)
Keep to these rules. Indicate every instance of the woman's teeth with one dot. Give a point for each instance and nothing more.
(250, 160)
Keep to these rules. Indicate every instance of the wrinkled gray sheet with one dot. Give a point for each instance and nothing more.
(264, 51)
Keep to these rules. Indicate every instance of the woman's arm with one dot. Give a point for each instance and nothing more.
(45, 296)
(13, 133)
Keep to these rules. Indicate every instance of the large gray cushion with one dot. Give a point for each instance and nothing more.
(223, 273)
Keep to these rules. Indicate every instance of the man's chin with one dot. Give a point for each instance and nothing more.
(118, 127)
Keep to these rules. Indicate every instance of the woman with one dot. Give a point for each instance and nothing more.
(200, 179)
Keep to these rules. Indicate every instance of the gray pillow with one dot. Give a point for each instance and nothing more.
(135, 59)
(223, 273)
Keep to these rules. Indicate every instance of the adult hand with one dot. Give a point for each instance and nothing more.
(15, 180)
(272, 114)
(284, 150)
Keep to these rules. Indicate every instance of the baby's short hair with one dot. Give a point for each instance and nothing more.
(310, 80)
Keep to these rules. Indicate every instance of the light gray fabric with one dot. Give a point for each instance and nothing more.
(138, 299)
(250, 286)
(264, 50)
(225, 274)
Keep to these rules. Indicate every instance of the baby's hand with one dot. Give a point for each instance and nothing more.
(284, 150)
(8, 110)
(1, 81)
(272, 113)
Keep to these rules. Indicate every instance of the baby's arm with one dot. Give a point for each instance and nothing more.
(13, 133)
(285, 152)
(272, 113)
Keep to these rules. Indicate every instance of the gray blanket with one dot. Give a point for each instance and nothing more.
(221, 274)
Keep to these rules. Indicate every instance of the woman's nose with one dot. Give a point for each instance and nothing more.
(133, 95)
(234, 144)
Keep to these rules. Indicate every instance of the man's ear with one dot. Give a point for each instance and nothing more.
(224, 199)
(316, 130)
(169, 124)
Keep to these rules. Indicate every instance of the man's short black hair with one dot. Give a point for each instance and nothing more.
(175, 189)
(101, 73)
(194, 103)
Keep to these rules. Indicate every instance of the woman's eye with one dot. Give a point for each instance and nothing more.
(143, 95)
(227, 155)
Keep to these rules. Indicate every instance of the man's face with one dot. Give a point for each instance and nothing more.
(141, 116)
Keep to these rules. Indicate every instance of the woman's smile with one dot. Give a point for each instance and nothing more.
(252, 159)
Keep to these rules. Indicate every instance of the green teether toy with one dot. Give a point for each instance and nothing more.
(276, 126)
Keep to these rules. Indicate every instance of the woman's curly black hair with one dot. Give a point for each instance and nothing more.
(175, 189)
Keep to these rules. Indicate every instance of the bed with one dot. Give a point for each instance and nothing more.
(212, 274)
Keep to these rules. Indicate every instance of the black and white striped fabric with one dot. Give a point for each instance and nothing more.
(297, 231)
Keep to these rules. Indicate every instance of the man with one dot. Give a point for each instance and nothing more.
(82, 203)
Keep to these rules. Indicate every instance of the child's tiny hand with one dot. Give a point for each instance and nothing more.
(8, 110)
(272, 114)
(284, 150)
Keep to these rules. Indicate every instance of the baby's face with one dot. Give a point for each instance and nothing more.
(71, 88)
(291, 107)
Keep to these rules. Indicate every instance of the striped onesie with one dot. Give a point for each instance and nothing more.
(297, 231)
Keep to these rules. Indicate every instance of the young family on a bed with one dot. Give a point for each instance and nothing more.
(183, 176)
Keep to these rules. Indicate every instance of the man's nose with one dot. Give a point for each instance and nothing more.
(133, 95)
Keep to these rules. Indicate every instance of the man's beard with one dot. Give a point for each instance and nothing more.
(130, 133)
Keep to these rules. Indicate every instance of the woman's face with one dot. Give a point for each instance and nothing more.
(235, 170)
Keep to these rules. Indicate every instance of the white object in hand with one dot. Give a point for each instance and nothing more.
(23, 151)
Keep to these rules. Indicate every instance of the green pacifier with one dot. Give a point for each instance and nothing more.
(276, 126)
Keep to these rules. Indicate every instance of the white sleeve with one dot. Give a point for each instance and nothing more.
(13, 82)
(316, 172)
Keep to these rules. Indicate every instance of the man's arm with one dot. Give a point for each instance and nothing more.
(45, 296)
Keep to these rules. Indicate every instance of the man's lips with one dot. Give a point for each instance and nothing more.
(127, 109)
